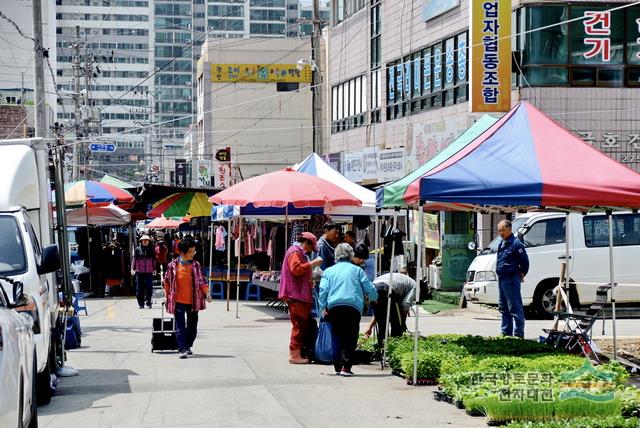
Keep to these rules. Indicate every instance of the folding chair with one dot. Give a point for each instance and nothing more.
(577, 326)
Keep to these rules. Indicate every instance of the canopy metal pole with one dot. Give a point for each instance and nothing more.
(613, 287)
(228, 262)
(418, 277)
(376, 244)
(211, 239)
(86, 214)
(386, 326)
(238, 270)
(286, 226)
(567, 257)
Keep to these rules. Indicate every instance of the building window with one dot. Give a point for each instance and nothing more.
(349, 104)
(287, 86)
(429, 78)
(599, 48)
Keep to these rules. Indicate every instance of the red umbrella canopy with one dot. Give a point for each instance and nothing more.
(281, 188)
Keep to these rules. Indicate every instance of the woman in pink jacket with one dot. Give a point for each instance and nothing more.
(295, 289)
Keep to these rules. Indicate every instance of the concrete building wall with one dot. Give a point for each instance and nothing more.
(265, 128)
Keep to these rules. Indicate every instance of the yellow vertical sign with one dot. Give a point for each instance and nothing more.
(490, 59)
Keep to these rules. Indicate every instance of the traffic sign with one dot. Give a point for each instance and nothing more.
(104, 148)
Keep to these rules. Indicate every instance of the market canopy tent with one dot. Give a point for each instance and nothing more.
(98, 216)
(194, 204)
(108, 179)
(527, 160)
(84, 192)
(315, 166)
(283, 188)
(396, 194)
(163, 223)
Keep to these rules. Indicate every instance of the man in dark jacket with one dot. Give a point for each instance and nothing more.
(512, 266)
(326, 245)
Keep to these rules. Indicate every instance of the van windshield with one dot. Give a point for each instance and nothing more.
(493, 246)
(12, 255)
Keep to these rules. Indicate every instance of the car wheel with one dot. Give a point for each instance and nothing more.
(43, 386)
(544, 301)
(33, 422)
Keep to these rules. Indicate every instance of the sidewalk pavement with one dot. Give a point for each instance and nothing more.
(238, 377)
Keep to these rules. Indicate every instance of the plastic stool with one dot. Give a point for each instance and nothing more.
(216, 289)
(253, 292)
(77, 306)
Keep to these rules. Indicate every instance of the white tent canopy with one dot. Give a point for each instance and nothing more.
(314, 165)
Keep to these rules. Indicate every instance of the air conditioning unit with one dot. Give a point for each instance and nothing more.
(302, 33)
(282, 18)
(187, 84)
(187, 13)
(188, 41)
(434, 277)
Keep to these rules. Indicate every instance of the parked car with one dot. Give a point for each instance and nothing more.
(18, 403)
(543, 234)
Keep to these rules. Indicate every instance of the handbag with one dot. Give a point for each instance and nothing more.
(326, 343)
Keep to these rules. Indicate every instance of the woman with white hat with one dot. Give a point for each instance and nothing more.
(143, 266)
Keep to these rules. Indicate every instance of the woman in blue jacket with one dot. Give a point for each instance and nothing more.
(342, 290)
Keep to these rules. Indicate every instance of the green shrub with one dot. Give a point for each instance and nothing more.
(630, 399)
(428, 364)
(527, 410)
(608, 422)
(369, 344)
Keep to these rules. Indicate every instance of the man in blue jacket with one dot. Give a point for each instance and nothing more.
(512, 266)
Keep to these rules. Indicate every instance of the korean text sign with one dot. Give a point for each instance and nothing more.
(260, 73)
(490, 55)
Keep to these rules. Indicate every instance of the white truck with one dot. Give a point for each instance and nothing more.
(27, 250)
(543, 235)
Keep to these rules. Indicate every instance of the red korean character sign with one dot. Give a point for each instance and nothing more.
(597, 25)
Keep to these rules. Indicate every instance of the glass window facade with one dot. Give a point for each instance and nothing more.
(349, 104)
(600, 48)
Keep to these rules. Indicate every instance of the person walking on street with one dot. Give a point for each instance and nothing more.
(186, 290)
(143, 266)
(402, 289)
(512, 266)
(342, 291)
(162, 256)
(295, 289)
(326, 245)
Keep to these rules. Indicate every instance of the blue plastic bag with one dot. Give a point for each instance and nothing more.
(326, 344)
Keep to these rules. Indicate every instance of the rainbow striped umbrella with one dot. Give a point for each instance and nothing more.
(194, 204)
(86, 191)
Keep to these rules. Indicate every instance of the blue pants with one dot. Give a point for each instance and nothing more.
(186, 332)
(144, 289)
(510, 305)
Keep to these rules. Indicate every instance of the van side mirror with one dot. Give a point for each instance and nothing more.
(50, 260)
(19, 298)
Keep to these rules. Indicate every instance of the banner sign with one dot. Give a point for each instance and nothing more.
(369, 164)
(260, 73)
(181, 173)
(353, 166)
(490, 23)
(390, 165)
(203, 173)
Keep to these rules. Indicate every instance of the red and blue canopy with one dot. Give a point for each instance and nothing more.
(525, 159)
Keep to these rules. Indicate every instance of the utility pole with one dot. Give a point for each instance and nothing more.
(76, 103)
(38, 66)
(316, 79)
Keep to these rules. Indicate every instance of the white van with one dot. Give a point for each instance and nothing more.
(543, 234)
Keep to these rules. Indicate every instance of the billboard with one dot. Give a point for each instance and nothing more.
(490, 59)
(260, 73)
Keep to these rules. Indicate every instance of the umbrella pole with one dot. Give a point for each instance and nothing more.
(286, 226)
(228, 262)
(566, 258)
(211, 239)
(613, 287)
(418, 277)
(238, 270)
(386, 325)
(86, 214)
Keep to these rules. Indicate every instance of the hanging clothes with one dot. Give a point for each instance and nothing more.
(260, 237)
(249, 239)
(221, 238)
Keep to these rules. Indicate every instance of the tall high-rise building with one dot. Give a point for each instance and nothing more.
(144, 55)
(113, 57)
